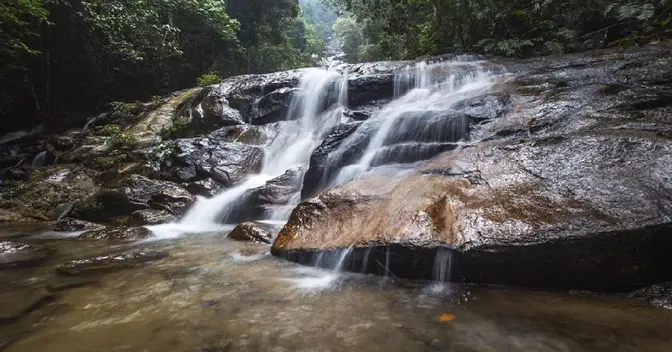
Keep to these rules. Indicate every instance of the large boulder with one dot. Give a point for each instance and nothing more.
(569, 188)
(276, 192)
(132, 193)
(226, 163)
(257, 99)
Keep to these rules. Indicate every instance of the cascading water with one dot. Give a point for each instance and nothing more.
(318, 107)
(419, 122)
(416, 125)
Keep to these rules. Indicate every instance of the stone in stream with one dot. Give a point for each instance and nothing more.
(570, 187)
(204, 188)
(110, 263)
(122, 234)
(13, 254)
(253, 232)
(18, 302)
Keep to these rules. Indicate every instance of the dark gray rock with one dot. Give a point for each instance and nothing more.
(278, 191)
(226, 163)
(110, 263)
(122, 234)
(272, 107)
(253, 232)
(366, 89)
(325, 160)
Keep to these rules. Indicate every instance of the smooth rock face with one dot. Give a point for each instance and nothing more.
(226, 163)
(253, 232)
(108, 263)
(126, 234)
(570, 186)
(277, 191)
(17, 254)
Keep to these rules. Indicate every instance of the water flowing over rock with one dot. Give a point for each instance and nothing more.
(71, 225)
(565, 183)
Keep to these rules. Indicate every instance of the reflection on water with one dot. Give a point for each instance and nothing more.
(216, 295)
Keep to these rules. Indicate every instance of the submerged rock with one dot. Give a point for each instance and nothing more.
(563, 191)
(18, 254)
(18, 302)
(109, 263)
(253, 232)
(125, 234)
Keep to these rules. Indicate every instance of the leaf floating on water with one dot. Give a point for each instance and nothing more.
(446, 317)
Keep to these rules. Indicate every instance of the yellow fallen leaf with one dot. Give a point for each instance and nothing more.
(446, 317)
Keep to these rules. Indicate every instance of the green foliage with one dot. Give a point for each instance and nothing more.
(118, 139)
(177, 130)
(414, 28)
(62, 60)
(208, 79)
(161, 155)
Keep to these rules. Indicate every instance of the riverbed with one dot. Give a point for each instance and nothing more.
(213, 294)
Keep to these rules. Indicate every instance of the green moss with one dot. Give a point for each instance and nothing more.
(208, 79)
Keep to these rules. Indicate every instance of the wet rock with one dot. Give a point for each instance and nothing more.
(272, 107)
(125, 234)
(565, 191)
(17, 254)
(152, 217)
(110, 263)
(255, 99)
(365, 89)
(133, 193)
(204, 188)
(485, 107)
(324, 158)
(161, 116)
(253, 232)
(357, 115)
(278, 191)
(657, 295)
(226, 163)
(71, 225)
(17, 175)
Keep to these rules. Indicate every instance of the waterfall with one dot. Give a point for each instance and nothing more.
(416, 125)
(318, 107)
(419, 122)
